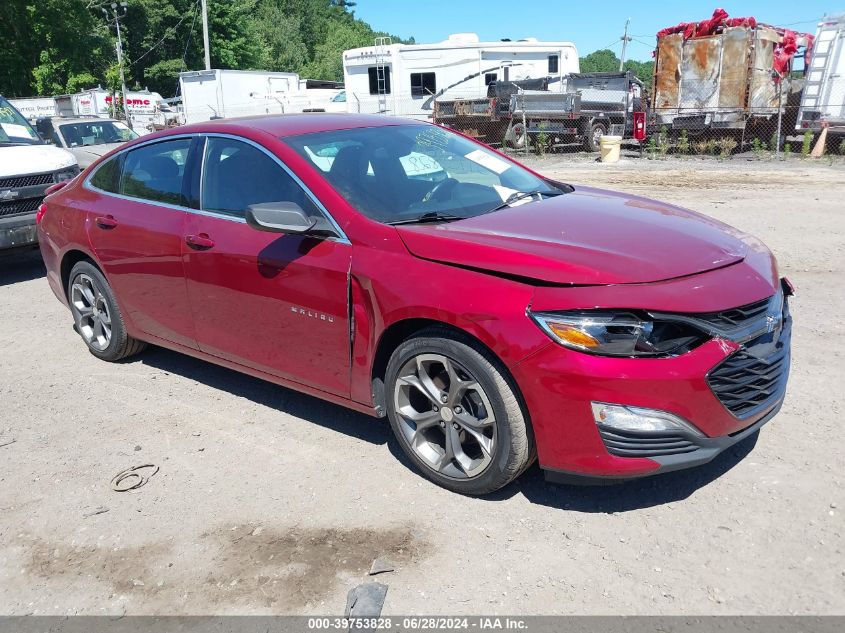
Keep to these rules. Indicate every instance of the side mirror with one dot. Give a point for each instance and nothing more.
(279, 217)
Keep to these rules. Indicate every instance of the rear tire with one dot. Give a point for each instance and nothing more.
(592, 142)
(456, 413)
(97, 316)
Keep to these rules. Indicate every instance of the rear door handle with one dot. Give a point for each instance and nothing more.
(200, 242)
(106, 222)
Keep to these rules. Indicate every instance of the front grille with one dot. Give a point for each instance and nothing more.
(19, 207)
(747, 385)
(652, 444)
(736, 317)
(26, 181)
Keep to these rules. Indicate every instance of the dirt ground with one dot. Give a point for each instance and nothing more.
(268, 501)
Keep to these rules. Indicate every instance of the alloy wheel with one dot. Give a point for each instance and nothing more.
(91, 312)
(445, 416)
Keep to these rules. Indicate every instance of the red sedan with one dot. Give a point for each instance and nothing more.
(400, 269)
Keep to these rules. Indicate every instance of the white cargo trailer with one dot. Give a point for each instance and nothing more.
(145, 111)
(406, 79)
(33, 108)
(823, 99)
(215, 94)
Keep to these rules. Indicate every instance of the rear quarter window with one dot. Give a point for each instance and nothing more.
(107, 175)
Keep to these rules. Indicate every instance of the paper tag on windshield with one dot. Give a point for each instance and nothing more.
(18, 131)
(488, 161)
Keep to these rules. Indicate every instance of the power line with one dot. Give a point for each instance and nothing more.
(187, 44)
(639, 41)
(167, 34)
(190, 35)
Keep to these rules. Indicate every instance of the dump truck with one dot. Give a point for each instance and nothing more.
(588, 106)
(724, 73)
(578, 108)
(486, 118)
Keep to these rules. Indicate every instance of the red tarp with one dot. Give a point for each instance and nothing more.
(783, 52)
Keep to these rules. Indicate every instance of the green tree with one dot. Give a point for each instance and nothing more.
(606, 61)
(56, 46)
(602, 61)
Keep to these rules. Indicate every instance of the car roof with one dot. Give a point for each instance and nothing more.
(282, 125)
(60, 120)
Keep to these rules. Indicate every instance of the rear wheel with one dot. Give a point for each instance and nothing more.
(593, 139)
(96, 314)
(456, 415)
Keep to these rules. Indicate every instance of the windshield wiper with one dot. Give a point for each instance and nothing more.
(431, 216)
(524, 194)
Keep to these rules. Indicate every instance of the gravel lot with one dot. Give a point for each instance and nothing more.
(268, 501)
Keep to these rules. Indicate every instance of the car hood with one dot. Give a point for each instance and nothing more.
(19, 160)
(589, 236)
(89, 153)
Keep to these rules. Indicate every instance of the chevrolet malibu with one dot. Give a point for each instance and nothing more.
(494, 316)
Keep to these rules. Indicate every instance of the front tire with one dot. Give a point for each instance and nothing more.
(97, 316)
(456, 413)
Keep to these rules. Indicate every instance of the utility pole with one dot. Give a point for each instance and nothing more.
(205, 35)
(625, 40)
(118, 12)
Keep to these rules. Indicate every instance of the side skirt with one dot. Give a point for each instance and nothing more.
(290, 384)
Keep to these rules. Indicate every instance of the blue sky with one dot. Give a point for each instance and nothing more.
(590, 25)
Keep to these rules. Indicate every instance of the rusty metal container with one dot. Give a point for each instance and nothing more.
(719, 80)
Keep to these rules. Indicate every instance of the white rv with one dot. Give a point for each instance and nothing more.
(217, 94)
(823, 98)
(406, 79)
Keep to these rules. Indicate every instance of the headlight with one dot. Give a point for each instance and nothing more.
(618, 333)
(66, 174)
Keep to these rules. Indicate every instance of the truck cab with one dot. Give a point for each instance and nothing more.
(28, 166)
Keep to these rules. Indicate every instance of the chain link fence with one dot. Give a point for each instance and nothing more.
(541, 122)
(723, 88)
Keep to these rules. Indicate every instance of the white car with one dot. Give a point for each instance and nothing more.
(87, 138)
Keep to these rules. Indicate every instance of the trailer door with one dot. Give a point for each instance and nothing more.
(667, 74)
(700, 65)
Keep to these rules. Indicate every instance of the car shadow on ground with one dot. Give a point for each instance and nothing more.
(309, 408)
(20, 265)
(633, 495)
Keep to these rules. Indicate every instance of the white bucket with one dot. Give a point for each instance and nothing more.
(610, 148)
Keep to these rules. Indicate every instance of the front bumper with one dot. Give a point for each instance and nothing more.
(559, 386)
(708, 449)
(17, 231)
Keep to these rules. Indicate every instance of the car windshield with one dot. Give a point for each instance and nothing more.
(14, 129)
(95, 133)
(416, 173)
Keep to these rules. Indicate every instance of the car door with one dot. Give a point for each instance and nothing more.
(136, 230)
(274, 302)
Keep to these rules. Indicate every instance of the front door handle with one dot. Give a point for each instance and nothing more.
(199, 242)
(106, 222)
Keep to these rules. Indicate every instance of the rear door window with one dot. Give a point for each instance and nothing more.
(155, 172)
